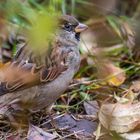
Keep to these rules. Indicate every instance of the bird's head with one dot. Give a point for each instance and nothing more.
(70, 30)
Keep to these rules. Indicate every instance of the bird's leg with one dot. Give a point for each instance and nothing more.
(53, 122)
(49, 113)
(55, 125)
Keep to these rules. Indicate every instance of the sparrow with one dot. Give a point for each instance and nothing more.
(32, 82)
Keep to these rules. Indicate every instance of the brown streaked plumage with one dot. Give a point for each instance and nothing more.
(34, 83)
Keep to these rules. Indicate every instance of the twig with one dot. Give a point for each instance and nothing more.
(50, 120)
(71, 134)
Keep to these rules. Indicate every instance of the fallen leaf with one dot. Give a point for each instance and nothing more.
(91, 107)
(120, 117)
(135, 87)
(112, 74)
(36, 133)
(121, 99)
(132, 135)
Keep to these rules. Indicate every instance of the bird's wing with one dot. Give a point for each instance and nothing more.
(27, 69)
(17, 76)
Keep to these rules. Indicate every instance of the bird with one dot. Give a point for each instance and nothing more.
(30, 83)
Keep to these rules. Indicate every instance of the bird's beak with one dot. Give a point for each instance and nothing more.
(80, 28)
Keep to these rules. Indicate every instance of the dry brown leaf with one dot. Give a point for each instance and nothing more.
(135, 87)
(133, 92)
(107, 71)
(131, 136)
(113, 75)
(120, 117)
(36, 133)
(91, 107)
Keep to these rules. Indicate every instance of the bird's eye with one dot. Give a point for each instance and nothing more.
(68, 27)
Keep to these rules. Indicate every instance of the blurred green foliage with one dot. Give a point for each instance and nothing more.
(38, 18)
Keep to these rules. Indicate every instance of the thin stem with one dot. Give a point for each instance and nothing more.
(63, 6)
(73, 6)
